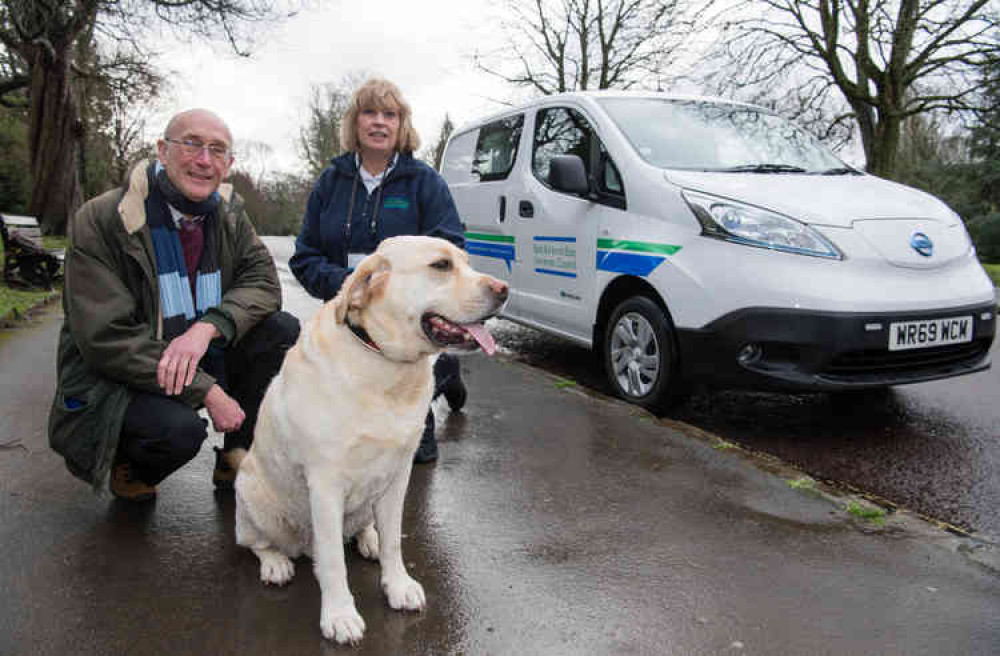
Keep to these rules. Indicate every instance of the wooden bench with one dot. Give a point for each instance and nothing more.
(26, 262)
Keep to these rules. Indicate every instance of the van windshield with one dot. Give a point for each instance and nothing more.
(716, 136)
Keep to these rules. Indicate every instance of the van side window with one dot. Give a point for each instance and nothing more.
(609, 180)
(559, 131)
(496, 148)
(565, 131)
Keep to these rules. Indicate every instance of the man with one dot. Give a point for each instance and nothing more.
(172, 303)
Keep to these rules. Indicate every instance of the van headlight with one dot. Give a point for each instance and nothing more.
(744, 224)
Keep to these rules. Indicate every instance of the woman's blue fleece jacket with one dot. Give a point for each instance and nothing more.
(413, 200)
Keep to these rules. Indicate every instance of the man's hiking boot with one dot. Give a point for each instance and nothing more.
(125, 486)
(224, 475)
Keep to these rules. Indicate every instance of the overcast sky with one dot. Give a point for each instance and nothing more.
(423, 47)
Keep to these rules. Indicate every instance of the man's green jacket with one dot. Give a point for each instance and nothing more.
(112, 337)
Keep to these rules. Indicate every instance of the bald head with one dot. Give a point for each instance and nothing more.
(182, 120)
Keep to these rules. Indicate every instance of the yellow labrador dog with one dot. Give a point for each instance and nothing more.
(340, 423)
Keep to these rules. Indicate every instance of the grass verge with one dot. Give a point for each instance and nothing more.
(994, 272)
(804, 484)
(875, 516)
(14, 302)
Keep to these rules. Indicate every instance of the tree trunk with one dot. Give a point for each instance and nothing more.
(865, 117)
(54, 140)
(885, 148)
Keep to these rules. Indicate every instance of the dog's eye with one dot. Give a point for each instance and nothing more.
(444, 264)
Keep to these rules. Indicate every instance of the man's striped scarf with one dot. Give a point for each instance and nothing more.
(179, 309)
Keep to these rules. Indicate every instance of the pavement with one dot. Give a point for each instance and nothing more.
(555, 522)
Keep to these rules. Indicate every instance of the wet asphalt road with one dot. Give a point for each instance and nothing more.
(555, 523)
(932, 447)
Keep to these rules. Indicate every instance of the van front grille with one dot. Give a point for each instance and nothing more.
(855, 364)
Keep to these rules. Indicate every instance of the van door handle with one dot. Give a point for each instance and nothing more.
(526, 209)
(503, 208)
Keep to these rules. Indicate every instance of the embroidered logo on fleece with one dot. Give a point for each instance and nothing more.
(396, 203)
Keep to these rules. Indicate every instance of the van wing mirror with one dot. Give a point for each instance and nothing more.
(567, 173)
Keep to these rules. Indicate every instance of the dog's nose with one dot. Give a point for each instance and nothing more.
(499, 289)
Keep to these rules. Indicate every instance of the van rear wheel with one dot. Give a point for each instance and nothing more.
(639, 353)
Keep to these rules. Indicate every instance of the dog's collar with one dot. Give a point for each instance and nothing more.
(363, 335)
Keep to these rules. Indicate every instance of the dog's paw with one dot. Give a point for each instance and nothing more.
(368, 542)
(404, 593)
(343, 625)
(275, 567)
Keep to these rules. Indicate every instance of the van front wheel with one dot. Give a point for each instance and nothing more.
(639, 353)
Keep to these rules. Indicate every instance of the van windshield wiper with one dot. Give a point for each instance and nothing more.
(764, 168)
(842, 170)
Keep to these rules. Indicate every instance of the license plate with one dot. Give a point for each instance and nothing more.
(929, 332)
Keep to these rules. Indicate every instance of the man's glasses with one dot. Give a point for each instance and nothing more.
(193, 149)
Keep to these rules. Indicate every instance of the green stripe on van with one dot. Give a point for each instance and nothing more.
(637, 246)
(481, 236)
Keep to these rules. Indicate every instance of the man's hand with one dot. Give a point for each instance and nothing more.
(226, 413)
(180, 360)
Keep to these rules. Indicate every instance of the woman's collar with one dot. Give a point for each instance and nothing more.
(358, 163)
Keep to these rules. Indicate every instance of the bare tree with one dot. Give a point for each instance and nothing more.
(253, 159)
(319, 138)
(117, 97)
(554, 46)
(42, 36)
(985, 135)
(132, 108)
(14, 78)
(875, 62)
(435, 152)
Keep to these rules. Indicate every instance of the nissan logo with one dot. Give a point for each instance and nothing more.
(922, 244)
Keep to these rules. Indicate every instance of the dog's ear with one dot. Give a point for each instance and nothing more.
(368, 280)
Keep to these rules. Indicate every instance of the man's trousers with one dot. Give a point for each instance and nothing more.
(160, 434)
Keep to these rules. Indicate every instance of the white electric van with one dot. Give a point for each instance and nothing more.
(699, 240)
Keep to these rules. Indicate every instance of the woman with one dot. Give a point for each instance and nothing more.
(385, 192)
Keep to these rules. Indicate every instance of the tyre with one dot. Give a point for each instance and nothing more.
(640, 355)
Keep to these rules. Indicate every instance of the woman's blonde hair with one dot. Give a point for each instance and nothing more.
(381, 95)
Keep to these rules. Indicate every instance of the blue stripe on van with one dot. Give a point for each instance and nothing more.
(562, 239)
(635, 264)
(503, 252)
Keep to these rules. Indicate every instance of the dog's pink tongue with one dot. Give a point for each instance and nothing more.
(482, 336)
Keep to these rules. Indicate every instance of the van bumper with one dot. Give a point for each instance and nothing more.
(826, 351)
